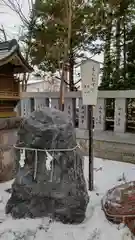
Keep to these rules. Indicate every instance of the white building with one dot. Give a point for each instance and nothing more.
(36, 86)
(49, 84)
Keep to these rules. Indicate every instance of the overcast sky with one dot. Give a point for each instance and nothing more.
(11, 22)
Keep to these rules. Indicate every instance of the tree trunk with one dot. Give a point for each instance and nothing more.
(118, 54)
(71, 81)
(67, 47)
(71, 71)
(31, 25)
(124, 50)
(106, 79)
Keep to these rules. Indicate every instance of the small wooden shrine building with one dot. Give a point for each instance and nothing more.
(12, 63)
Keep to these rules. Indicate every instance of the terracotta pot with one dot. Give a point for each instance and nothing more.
(119, 205)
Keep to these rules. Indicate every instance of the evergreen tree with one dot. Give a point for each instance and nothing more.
(51, 32)
(122, 20)
(131, 58)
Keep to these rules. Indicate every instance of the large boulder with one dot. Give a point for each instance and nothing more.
(55, 186)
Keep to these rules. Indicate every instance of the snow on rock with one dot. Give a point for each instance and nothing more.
(94, 227)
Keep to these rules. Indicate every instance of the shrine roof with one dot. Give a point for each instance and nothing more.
(10, 53)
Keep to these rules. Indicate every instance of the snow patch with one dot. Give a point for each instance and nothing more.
(95, 226)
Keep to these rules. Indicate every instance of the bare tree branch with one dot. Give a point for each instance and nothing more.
(17, 7)
(2, 30)
(77, 82)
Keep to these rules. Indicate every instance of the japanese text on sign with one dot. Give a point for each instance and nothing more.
(90, 74)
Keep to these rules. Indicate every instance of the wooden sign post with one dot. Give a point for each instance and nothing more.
(90, 74)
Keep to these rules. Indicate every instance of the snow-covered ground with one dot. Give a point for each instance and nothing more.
(95, 227)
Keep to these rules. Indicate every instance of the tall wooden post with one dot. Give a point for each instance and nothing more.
(89, 74)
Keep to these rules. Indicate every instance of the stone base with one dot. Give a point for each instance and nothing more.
(32, 206)
(6, 165)
(110, 150)
(8, 137)
(7, 160)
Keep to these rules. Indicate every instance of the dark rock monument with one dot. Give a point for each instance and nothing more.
(51, 183)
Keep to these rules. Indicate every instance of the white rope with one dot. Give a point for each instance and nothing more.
(52, 170)
(75, 166)
(49, 157)
(48, 160)
(48, 150)
(35, 167)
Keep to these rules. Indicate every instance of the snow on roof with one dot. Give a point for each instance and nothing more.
(32, 82)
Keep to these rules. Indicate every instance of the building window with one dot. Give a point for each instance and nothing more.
(130, 115)
(109, 114)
